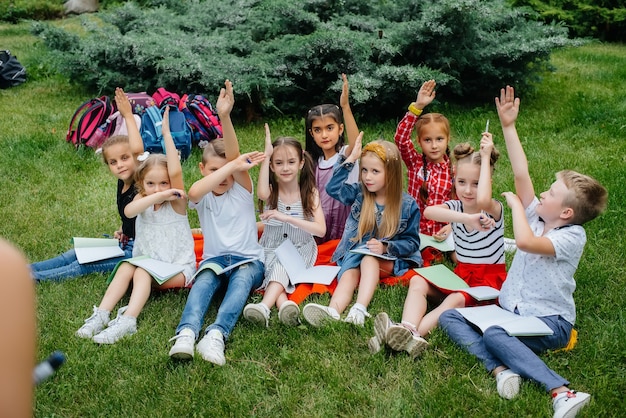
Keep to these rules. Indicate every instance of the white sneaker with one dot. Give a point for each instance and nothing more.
(356, 316)
(507, 383)
(211, 347)
(509, 245)
(316, 314)
(257, 313)
(381, 324)
(183, 347)
(94, 324)
(289, 313)
(121, 326)
(401, 338)
(567, 404)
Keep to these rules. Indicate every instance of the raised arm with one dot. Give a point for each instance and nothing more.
(402, 137)
(224, 106)
(442, 213)
(263, 186)
(508, 109)
(484, 195)
(352, 130)
(174, 169)
(239, 165)
(125, 109)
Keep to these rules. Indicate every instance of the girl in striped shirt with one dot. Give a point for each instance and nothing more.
(478, 230)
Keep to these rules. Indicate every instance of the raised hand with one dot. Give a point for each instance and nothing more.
(426, 94)
(165, 127)
(486, 145)
(344, 99)
(356, 150)
(226, 99)
(507, 106)
(269, 149)
(121, 100)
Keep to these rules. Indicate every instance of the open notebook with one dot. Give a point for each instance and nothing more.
(297, 270)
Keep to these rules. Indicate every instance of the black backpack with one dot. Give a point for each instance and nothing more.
(12, 73)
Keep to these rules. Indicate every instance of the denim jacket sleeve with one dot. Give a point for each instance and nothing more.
(337, 188)
(406, 243)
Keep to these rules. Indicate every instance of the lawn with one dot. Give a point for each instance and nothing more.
(575, 119)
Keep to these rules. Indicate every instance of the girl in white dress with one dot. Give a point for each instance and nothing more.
(162, 233)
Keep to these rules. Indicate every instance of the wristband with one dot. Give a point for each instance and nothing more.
(414, 109)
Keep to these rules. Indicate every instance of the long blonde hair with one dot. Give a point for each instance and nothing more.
(389, 154)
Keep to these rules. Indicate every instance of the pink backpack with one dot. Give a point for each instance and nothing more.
(114, 125)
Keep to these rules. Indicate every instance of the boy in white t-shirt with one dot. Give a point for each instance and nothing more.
(225, 205)
(540, 282)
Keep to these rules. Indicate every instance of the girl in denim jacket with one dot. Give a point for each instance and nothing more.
(383, 226)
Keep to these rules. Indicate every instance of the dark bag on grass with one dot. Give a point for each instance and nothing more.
(12, 73)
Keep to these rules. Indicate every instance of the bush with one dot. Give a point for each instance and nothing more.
(284, 56)
(605, 20)
(15, 10)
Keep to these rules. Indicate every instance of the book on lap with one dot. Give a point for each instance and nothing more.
(160, 271)
(428, 241)
(444, 278)
(297, 270)
(362, 249)
(218, 269)
(89, 250)
(515, 325)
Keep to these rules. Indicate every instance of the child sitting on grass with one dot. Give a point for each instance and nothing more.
(162, 233)
(540, 282)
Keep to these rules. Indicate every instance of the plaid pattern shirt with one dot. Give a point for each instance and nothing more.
(439, 179)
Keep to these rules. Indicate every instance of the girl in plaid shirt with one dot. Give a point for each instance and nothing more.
(430, 173)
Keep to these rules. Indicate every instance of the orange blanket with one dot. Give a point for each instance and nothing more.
(324, 253)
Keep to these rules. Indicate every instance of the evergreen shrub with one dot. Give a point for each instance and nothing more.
(286, 56)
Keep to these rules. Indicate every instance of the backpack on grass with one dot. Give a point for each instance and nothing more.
(114, 125)
(152, 135)
(204, 121)
(12, 73)
(88, 118)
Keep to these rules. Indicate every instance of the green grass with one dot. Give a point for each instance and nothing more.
(51, 192)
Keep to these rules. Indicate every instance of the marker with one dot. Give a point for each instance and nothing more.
(249, 160)
(487, 126)
(177, 195)
(46, 368)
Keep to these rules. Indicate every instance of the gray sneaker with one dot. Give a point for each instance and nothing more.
(381, 324)
(257, 313)
(401, 338)
(289, 313)
(121, 326)
(184, 345)
(94, 324)
(317, 315)
(211, 347)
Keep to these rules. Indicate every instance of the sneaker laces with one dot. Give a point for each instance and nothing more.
(120, 312)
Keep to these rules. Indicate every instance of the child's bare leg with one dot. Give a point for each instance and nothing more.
(282, 298)
(345, 290)
(370, 276)
(142, 286)
(430, 321)
(272, 294)
(415, 304)
(175, 282)
(118, 287)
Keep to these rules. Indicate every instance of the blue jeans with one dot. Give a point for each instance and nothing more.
(239, 282)
(66, 266)
(497, 348)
